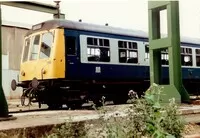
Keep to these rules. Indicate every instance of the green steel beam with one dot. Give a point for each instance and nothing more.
(161, 43)
(36, 6)
(158, 5)
(175, 89)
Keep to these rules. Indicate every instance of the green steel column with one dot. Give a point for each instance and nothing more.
(3, 102)
(156, 53)
(172, 43)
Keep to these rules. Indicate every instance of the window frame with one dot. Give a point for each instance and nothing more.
(165, 56)
(127, 50)
(145, 51)
(186, 53)
(23, 50)
(76, 50)
(96, 46)
(32, 44)
(41, 40)
(197, 55)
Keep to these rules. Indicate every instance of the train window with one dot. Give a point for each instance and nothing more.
(70, 45)
(104, 42)
(47, 41)
(98, 49)
(132, 45)
(164, 57)
(146, 51)
(197, 52)
(127, 52)
(35, 47)
(26, 49)
(91, 41)
(122, 44)
(186, 56)
(197, 57)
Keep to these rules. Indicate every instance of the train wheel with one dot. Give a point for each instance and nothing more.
(25, 97)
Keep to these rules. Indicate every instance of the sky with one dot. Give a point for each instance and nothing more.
(129, 14)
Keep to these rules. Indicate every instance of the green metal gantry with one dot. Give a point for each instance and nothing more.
(175, 89)
(4, 115)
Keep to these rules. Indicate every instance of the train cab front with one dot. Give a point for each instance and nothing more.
(42, 58)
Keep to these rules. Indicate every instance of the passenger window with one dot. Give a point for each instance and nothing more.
(198, 57)
(128, 52)
(164, 57)
(26, 50)
(186, 56)
(70, 45)
(146, 51)
(35, 47)
(98, 49)
(47, 41)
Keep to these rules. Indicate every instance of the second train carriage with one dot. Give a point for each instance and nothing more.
(67, 62)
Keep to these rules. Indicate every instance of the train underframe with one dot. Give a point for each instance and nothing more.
(74, 94)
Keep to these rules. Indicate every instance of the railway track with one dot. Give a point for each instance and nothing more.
(34, 108)
(190, 116)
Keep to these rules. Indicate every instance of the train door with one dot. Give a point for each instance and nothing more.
(72, 54)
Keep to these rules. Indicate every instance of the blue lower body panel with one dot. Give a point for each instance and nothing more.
(88, 71)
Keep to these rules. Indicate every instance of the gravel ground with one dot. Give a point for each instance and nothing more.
(39, 118)
(36, 118)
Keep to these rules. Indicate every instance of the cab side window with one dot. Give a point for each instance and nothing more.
(70, 45)
(26, 50)
(46, 44)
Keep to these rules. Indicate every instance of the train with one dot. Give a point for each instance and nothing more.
(70, 63)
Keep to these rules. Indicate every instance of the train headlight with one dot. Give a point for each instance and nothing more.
(43, 71)
(23, 73)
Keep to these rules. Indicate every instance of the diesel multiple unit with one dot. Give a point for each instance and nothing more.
(67, 62)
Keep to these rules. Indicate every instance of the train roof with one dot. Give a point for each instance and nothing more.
(61, 23)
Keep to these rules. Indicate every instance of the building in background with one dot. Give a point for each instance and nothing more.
(12, 42)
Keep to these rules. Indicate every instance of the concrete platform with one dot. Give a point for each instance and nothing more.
(38, 122)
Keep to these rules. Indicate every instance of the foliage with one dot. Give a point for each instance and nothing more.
(3, 135)
(68, 130)
(146, 117)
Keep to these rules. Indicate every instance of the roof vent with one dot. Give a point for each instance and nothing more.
(80, 20)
